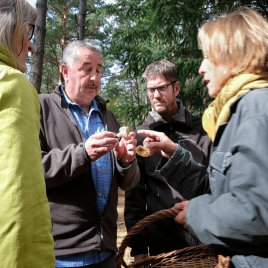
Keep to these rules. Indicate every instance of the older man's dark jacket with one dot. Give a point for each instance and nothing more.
(77, 225)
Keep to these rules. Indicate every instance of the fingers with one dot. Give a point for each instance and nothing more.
(104, 135)
(181, 217)
(100, 144)
(179, 206)
(182, 205)
(128, 142)
(153, 138)
(158, 142)
(125, 151)
(150, 134)
(130, 139)
(131, 135)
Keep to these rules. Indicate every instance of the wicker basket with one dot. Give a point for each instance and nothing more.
(191, 257)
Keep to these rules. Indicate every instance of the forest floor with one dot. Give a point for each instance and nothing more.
(121, 229)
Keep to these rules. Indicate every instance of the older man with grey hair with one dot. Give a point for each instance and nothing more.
(84, 162)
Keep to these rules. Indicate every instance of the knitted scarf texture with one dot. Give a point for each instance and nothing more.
(218, 111)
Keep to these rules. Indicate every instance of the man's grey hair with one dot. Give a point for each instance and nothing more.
(69, 54)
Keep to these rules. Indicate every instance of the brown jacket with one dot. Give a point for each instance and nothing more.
(77, 225)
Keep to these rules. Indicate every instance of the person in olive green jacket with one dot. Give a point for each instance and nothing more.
(25, 225)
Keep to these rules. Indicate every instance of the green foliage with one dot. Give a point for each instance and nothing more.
(151, 30)
(119, 97)
(132, 115)
(146, 31)
(132, 34)
(62, 28)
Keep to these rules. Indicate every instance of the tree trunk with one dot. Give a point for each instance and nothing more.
(39, 43)
(82, 19)
(137, 93)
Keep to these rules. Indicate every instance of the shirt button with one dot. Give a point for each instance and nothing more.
(82, 112)
(89, 129)
(99, 169)
(100, 194)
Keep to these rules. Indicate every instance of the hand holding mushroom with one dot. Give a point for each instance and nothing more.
(157, 142)
(125, 151)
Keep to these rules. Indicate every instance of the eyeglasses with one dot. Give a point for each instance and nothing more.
(30, 31)
(161, 89)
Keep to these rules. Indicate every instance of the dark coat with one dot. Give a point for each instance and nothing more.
(154, 192)
(77, 225)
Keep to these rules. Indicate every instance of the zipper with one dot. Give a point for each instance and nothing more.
(171, 132)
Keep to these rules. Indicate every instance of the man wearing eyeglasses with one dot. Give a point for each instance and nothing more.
(154, 192)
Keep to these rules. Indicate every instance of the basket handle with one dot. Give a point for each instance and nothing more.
(165, 213)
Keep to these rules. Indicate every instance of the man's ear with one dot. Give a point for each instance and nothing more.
(64, 72)
(177, 88)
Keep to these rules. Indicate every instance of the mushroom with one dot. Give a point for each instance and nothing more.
(123, 132)
(143, 151)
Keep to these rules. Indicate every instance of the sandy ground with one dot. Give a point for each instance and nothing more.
(121, 229)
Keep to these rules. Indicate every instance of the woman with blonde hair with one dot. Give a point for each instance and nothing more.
(25, 225)
(229, 200)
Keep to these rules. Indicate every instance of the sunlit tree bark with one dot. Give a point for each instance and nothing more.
(39, 43)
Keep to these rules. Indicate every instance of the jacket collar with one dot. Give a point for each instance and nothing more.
(6, 58)
(222, 127)
(100, 101)
(182, 117)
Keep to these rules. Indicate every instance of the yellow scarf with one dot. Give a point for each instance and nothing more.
(218, 111)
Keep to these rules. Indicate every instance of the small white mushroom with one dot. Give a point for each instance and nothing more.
(123, 132)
